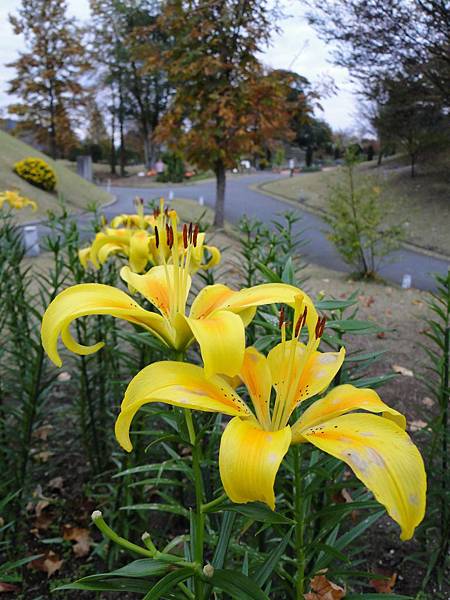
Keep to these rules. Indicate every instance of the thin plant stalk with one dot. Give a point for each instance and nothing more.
(299, 524)
(199, 514)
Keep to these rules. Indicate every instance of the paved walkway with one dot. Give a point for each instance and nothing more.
(241, 200)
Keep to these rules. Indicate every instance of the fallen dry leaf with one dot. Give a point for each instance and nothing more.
(43, 522)
(8, 587)
(402, 371)
(43, 456)
(323, 589)
(384, 586)
(81, 536)
(40, 506)
(416, 425)
(64, 376)
(57, 483)
(342, 496)
(428, 402)
(41, 433)
(366, 301)
(49, 563)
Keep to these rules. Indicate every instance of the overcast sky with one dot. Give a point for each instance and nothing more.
(297, 47)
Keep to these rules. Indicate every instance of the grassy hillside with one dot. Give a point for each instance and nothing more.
(76, 192)
(421, 203)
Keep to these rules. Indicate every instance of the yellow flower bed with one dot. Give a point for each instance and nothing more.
(37, 172)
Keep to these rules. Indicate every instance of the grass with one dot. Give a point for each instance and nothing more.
(77, 192)
(420, 203)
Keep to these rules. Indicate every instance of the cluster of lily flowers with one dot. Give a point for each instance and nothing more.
(349, 423)
(16, 200)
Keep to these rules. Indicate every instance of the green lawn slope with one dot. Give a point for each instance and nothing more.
(77, 192)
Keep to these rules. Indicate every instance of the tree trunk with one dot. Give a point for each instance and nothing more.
(52, 124)
(219, 216)
(113, 158)
(148, 158)
(122, 152)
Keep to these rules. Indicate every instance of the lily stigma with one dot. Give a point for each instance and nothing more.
(373, 443)
(134, 237)
(217, 317)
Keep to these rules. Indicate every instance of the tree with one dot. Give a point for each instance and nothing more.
(124, 34)
(377, 39)
(410, 115)
(313, 134)
(48, 74)
(225, 104)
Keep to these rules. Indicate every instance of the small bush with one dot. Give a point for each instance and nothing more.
(37, 172)
(356, 214)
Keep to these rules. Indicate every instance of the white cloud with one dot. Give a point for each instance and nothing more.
(297, 47)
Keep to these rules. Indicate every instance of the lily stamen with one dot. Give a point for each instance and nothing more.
(320, 326)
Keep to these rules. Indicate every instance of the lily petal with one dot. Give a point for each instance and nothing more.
(249, 460)
(154, 285)
(218, 297)
(343, 399)
(209, 299)
(255, 374)
(384, 458)
(93, 299)
(84, 256)
(214, 260)
(221, 338)
(139, 251)
(179, 384)
(306, 376)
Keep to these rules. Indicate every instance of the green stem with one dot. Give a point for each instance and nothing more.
(299, 524)
(199, 516)
(209, 505)
(99, 522)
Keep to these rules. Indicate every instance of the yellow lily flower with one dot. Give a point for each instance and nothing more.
(139, 246)
(254, 443)
(16, 200)
(217, 317)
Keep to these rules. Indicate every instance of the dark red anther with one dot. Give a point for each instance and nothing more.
(301, 321)
(171, 237)
(156, 213)
(320, 326)
(156, 237)
(141, 201)
(281, 317)
(195, 234)
(185, 236)
(190, 232)
(167, 234)
(166, 211)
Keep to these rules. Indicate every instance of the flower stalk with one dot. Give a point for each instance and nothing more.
(299, 523)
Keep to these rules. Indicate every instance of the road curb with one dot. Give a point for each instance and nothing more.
(259, 187)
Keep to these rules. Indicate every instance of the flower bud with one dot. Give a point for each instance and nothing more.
(208, 570)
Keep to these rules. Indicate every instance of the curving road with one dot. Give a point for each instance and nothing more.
(241, 200)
